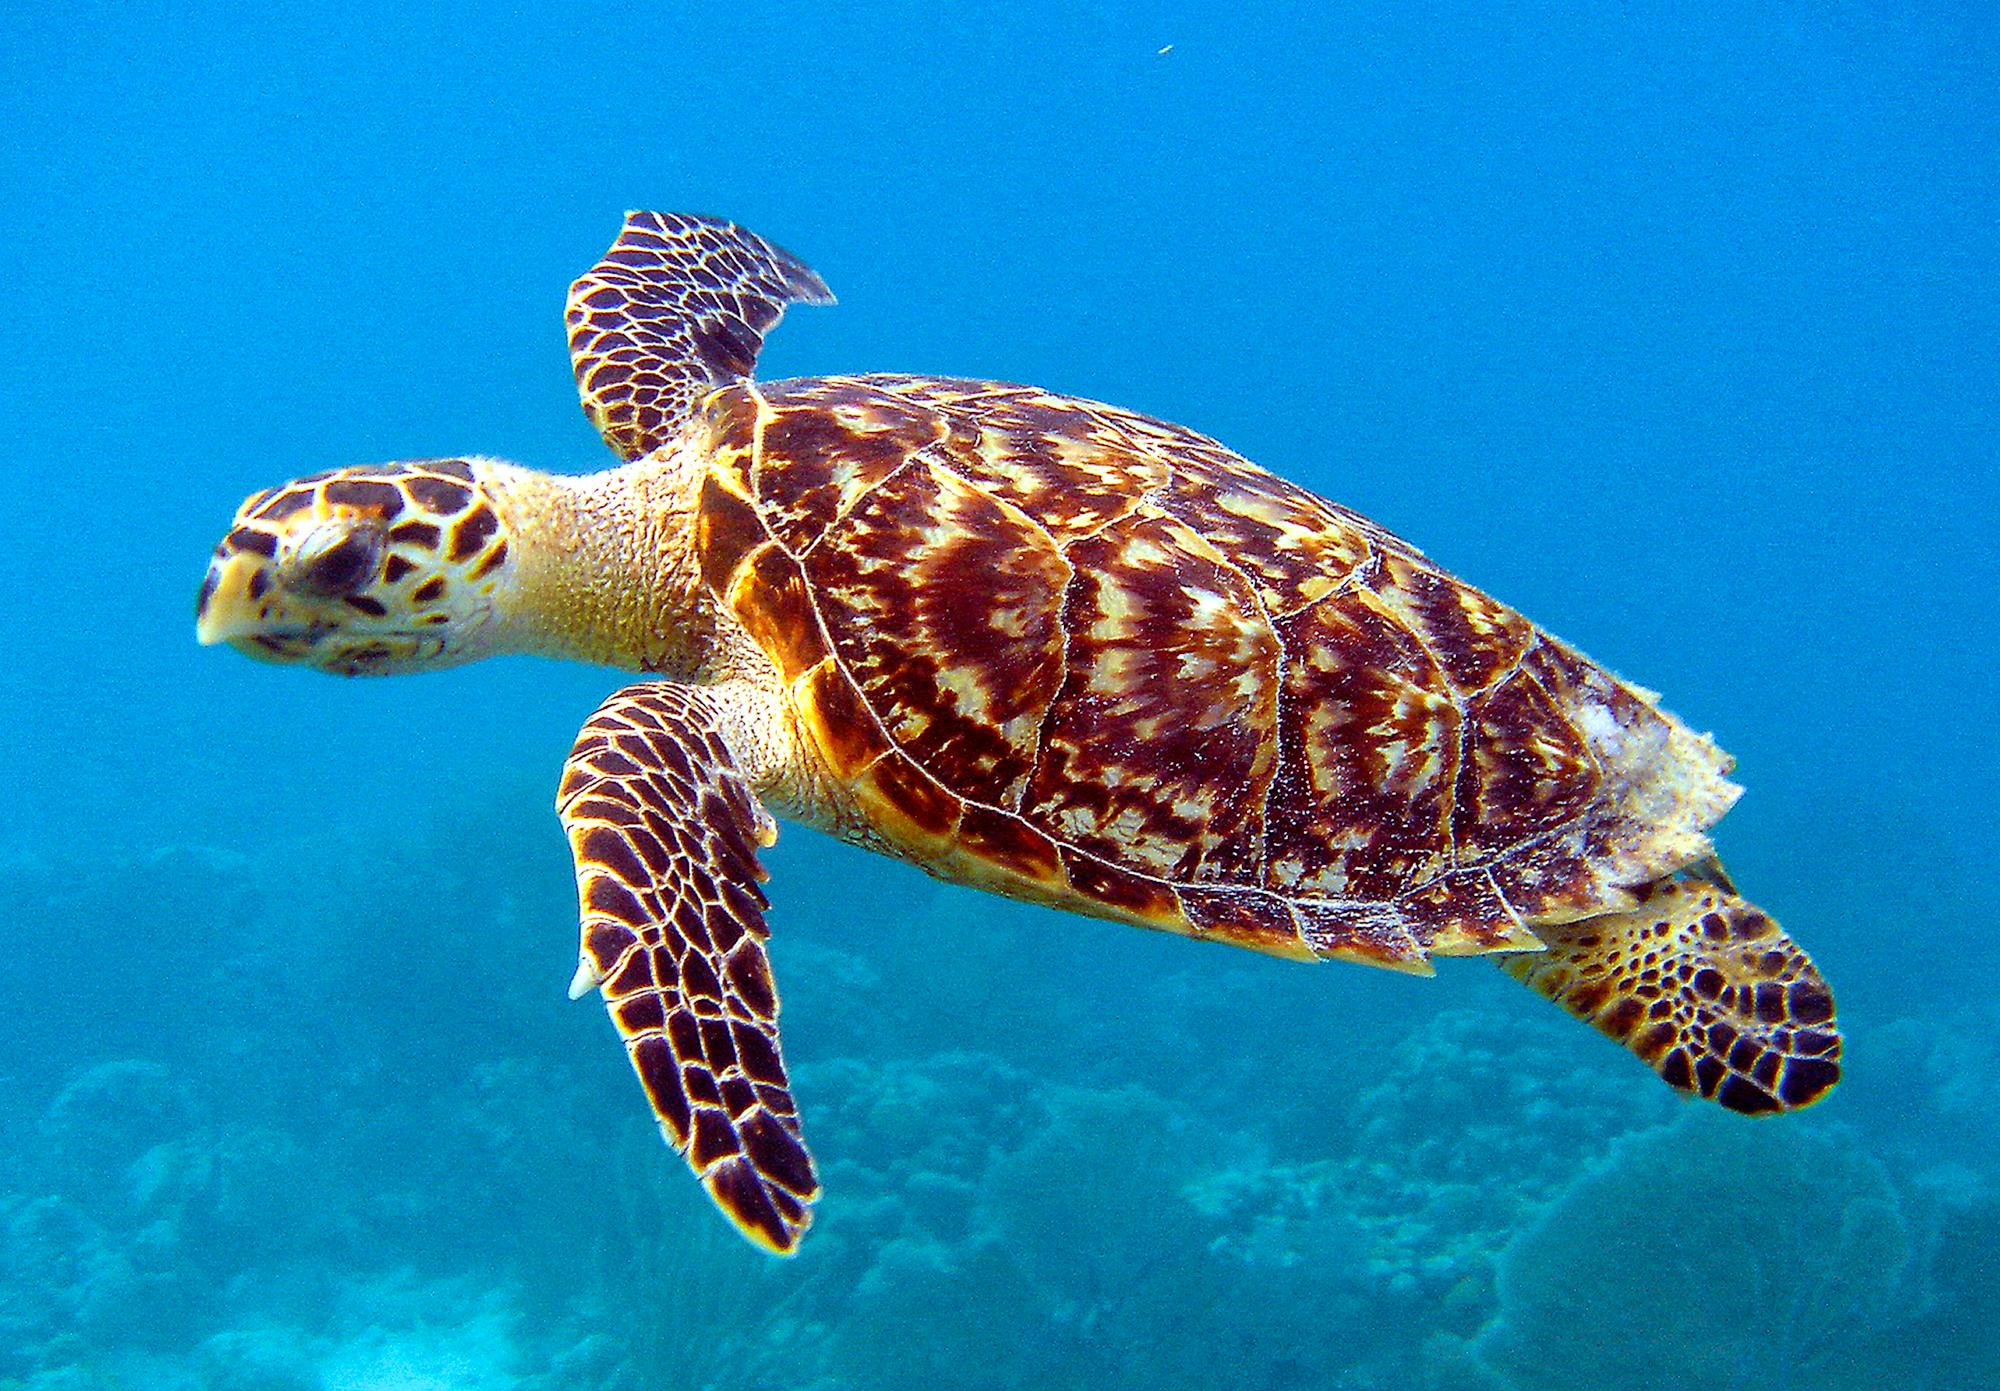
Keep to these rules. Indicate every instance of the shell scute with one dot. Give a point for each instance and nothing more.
(781, 616)
(1006, 840)
(948, 631)
(1074, 474)
(727, 528)
(835, 450)
(1466, 912)
(1475, 641)
(1557, 879)
(1576, 683)
(730, 418)
(1370, 748)
(924, 806)
(1135, 895)
(1376, 934)
(1295, 547)
(1159, 744)
(1246, 918)
(1531, 770)
(842, 725)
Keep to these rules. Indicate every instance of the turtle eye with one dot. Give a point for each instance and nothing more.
(345, 566)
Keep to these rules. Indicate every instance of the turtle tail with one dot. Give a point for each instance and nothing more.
(1703, 986)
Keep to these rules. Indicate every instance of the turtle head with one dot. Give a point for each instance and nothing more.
(374, 570)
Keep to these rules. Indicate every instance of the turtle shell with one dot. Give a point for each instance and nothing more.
(1083, 657)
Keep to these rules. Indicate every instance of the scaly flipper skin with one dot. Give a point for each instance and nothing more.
(1703, 986)
(678, 306)
(665, 831)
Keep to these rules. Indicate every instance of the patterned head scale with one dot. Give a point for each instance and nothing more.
(365, 571)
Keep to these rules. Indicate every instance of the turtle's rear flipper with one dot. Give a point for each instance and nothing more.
(1704, 987)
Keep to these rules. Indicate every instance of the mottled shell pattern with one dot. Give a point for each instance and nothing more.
(1087, 658)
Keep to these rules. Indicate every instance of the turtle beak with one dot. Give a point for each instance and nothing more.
(227, 610)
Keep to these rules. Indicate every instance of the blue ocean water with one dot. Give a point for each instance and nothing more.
(1672, 325)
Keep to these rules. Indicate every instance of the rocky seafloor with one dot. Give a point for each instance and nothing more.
(322, 1119)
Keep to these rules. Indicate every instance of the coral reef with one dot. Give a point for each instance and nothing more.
(1694, 1253)
(1046, 1166)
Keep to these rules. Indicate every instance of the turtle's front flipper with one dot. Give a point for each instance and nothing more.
(678, 306)
(665, 832)
(1703, 986)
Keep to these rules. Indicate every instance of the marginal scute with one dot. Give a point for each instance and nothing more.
(913, 796)
(1368, 933)
(771, 599)
(1135, 895)
(1245, 918)
(1007, 841)
(843, 727)
(1559, 878)
(1466, 913)
(730, 420)
(727, 528)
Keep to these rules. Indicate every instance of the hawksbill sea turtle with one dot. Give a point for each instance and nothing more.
(1029, 643)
